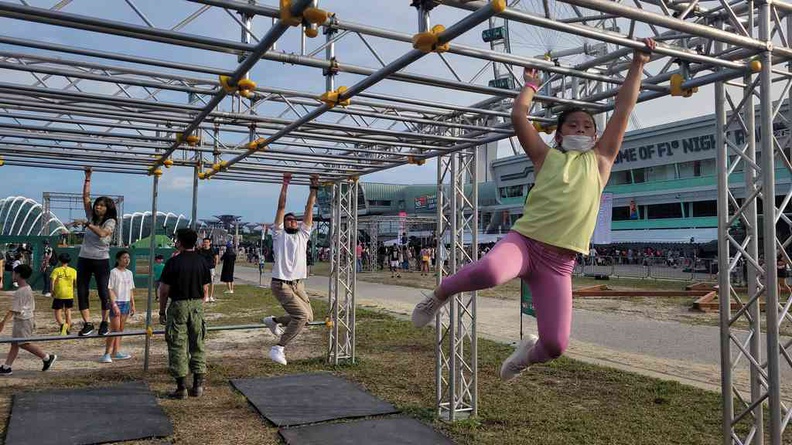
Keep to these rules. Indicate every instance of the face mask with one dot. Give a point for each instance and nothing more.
(291, 231)
(577, 143)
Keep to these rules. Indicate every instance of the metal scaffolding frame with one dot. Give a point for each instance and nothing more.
(371, 224)
(74, 201)
(456, 356)
(69, 106)
(343, 273)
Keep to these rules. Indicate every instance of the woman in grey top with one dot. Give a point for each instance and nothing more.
(95, 255)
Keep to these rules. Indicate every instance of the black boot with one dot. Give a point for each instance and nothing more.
(181, 390)
(198, 385)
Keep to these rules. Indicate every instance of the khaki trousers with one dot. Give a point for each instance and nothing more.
(295, 302)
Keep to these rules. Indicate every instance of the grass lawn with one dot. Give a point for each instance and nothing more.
(565, 402)
(510, 290)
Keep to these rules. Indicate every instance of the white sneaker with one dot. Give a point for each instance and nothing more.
(519, 360)
(274, 327)
(276, 355)
(48, 295)
(106, 359)
(427, 309)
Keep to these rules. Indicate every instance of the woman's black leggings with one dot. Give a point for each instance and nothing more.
(100, 269)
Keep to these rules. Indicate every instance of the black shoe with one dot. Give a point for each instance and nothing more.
(48, 363)
(181, 390)
(87, 329)
(178, 394)
(5, 371)
(198, 385)
(103, 328)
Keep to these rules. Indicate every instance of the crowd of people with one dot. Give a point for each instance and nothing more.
(671, 256)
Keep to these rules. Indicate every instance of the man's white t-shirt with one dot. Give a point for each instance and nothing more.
(121, 283)
(290, 253)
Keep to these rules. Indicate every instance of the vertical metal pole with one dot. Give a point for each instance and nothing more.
(750, 213)
(120, 238)
(194, 210)
(769, 211)
(350, 309)
(329, 56)
(424, 22)
(245, 29)
(452, 306)
(332, 292)
(336, 275)
(473, 333)
(442, 228)
(724, 299)
(152, 246)
(45, 210)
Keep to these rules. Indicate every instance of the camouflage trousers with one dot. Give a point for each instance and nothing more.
(185, 331)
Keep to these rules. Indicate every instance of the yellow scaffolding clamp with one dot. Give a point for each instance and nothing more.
(153, 171)
(193, 140)
(429, 41)
(313, 16)
(331, 98)
(167, 163)
(415, 160)
(676, 86)
(549, 129)
(245, 87)
(225, 82)
(258, 144)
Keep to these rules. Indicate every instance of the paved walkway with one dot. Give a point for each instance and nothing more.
(664, 349)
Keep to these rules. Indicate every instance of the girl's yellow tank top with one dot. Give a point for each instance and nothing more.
(561, 209)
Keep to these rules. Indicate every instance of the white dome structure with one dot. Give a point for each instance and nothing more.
(21, 216)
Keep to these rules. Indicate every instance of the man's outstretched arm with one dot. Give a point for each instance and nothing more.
(309, 206)
(282, 200)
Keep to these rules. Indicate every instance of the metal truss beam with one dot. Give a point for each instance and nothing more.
(341, 348)
(456, 342)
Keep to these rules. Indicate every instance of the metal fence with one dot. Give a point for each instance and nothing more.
(686, 269)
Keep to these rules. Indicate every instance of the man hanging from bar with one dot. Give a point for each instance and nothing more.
(289, 244)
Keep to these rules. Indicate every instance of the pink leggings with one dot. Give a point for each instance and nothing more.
(548, 273)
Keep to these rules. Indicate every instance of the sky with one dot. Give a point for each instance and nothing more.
(257, 202)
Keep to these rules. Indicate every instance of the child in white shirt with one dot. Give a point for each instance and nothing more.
(121, 285)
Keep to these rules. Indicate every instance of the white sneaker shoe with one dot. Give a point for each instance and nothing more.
(519, 360)
(274, 327)
(106, 359)
(427, 309)
(276, 355)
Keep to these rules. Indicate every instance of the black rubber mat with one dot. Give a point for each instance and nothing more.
(391, 431)
(85, 416)
(308, 398)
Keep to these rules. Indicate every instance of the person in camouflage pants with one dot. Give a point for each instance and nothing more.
(185, 330)
(185, 282)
